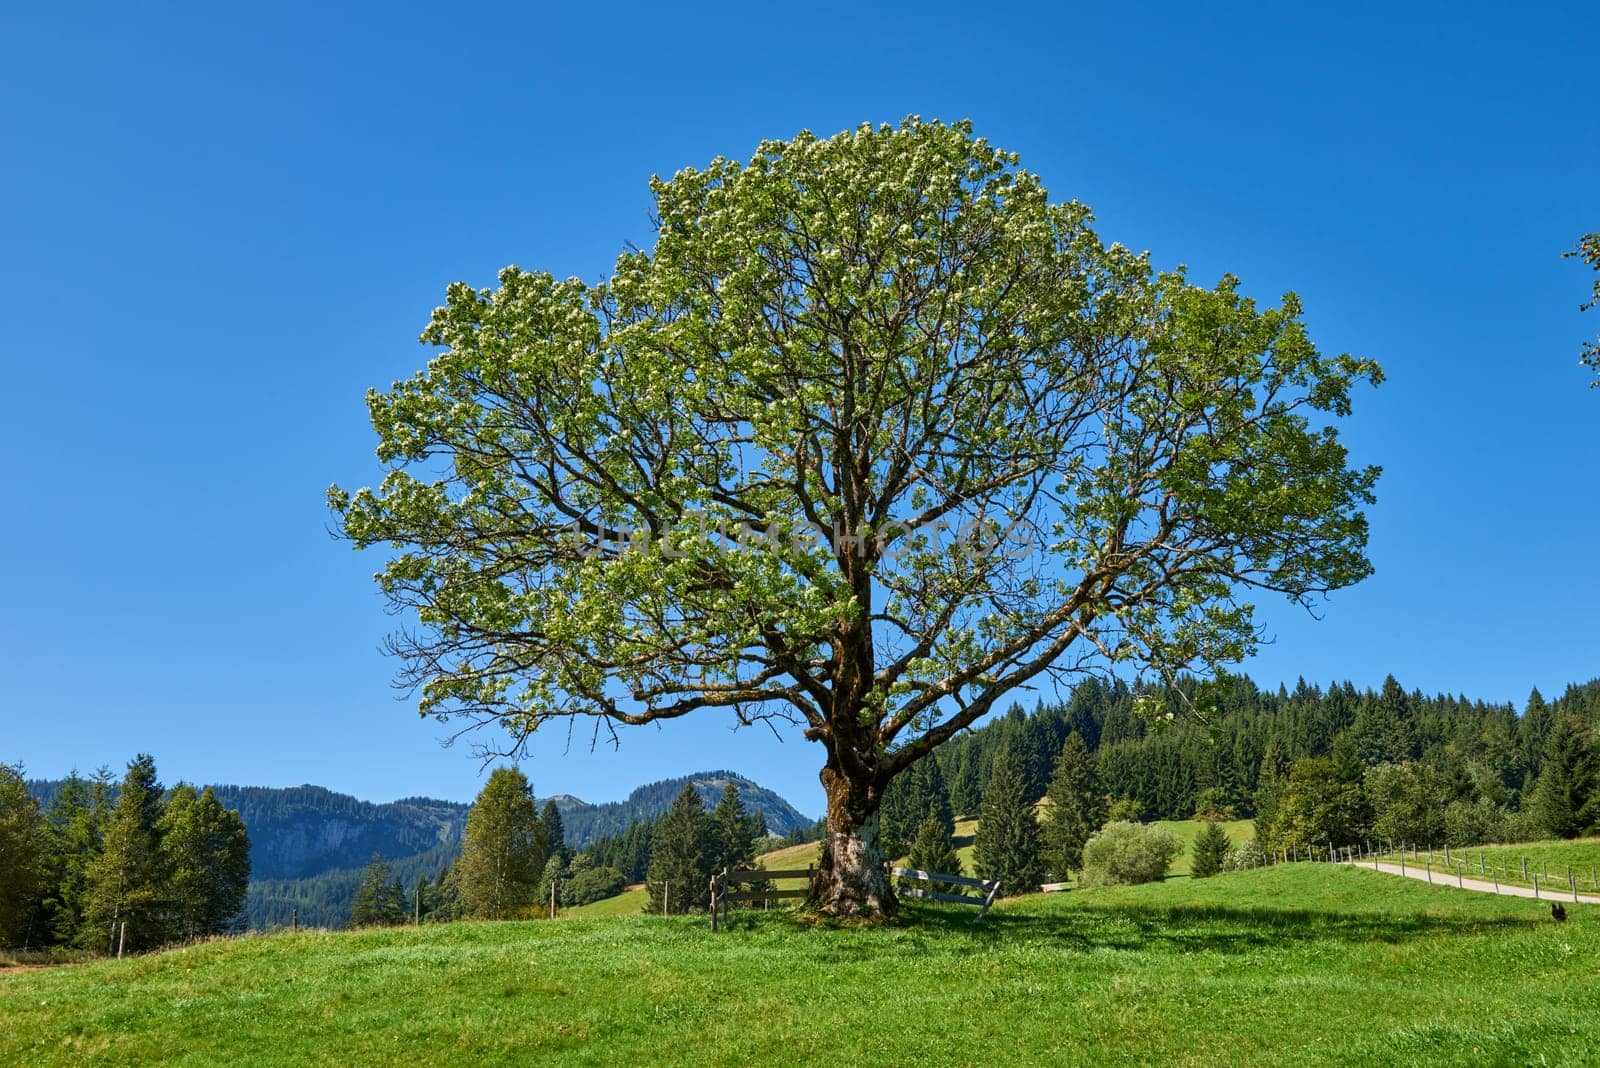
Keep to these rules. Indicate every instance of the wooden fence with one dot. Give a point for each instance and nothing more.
(727, 888)
(990, 888)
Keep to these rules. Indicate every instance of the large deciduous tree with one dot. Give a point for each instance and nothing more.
(873, 435)
(504, 850)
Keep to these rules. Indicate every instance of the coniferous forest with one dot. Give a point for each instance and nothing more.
(111, 865)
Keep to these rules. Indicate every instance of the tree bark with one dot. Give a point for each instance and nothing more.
(852, 879)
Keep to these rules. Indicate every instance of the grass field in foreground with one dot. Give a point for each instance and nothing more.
(1309, 964)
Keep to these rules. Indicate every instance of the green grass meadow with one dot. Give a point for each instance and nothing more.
(1302, 964)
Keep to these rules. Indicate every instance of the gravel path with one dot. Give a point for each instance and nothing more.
(1556, 892)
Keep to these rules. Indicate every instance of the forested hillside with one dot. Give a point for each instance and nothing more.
(1232, 748)
(585, 823)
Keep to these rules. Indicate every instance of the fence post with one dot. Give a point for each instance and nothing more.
(122, 939)
(1497, 882)
(666, 884)
(1402, 862)
(294, 921)
(1535, 884)
(713, 903)
(1524, 869)
(553, 898)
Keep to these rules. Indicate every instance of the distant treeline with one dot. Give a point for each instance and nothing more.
(110, 866)
(1309, 763)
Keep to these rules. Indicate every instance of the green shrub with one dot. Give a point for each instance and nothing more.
(590, 885)
(1244, 857)
(1125, 853)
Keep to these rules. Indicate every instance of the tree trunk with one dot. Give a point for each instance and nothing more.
(852, 879)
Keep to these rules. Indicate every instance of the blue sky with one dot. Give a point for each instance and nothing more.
(219, 229)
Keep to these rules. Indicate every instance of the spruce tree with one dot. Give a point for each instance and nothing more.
(76, 820)
(966, 787)
(555, 835)
(680, 857)
(206, 855)
(127, 880)
(376, 902)
(1565, 802)
(21, 858)
(1210, 848)
(1007, 846)
(503, 852)
(913, 796)
(731, 844)
(933, 850)
(1075, 807)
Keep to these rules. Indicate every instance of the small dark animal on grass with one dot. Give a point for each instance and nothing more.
(1558, 912)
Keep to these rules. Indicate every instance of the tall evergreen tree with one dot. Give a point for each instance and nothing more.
(1565, 800)
(1385, 730)
(966, 787)
(1210, 848)
(680, 857)
(1076, 807)
(917, 794)
(128, 880)
(933, 850)
(731, 844)
(22, 841)
(376, 902)
(76, 821)
(206, 856)
(555, 835)
(504, 850)
(1007, 846)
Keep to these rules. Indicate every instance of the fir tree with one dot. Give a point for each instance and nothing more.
(1565, 803)
(555, 835)
(127, 880)
(376, 903)
(1385, 730)
(503, 852)
(21, 858)
(1210, 848)
(934, 851)
(1007, 846)
(680, 857)
(1076, 807)
(76, 821)
(206, 855)
(731, 844)
(917, 794)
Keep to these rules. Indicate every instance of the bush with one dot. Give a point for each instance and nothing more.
(591, 884)
(1123, 810)
(1244, 857)
(1210, 849)
(1127, 853)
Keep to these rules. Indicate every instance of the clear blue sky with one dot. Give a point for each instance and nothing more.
(219, 229)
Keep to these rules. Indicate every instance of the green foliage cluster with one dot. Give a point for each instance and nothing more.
(1007, 845)
(1210, 851)
(1122, 853)
(1314, 765)
(132, 866)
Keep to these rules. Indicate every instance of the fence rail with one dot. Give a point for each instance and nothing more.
(990, 888)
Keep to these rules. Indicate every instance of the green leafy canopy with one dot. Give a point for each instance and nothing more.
(868, 334)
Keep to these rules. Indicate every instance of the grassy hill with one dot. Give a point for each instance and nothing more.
(1308, 964)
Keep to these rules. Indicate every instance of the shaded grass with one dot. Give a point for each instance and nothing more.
(1295, 964)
